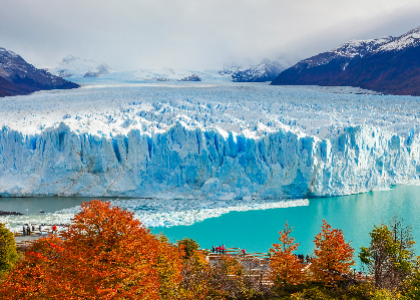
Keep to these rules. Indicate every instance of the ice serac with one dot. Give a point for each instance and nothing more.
(185, 162)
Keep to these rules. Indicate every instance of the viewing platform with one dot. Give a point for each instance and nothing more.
(23, 242)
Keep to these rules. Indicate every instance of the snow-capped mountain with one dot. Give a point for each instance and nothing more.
(343, 54)
(168, 74)
(230, 68)
(387, 65)
(267, 70)
(408, 40)
(72, 66)
(17, 77)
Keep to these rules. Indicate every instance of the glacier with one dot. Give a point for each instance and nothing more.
(220, 142)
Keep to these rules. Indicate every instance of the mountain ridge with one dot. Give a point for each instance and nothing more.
(17, 77)
(388, 65)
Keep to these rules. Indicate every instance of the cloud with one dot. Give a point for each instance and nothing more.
(193, 34)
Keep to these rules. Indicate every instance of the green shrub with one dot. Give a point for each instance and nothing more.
(8, 254)
(384, 295)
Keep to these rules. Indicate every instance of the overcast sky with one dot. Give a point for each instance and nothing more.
(133, 34)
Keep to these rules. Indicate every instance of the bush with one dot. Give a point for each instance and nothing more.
(385, 295)
(189, 246)
(8, 254)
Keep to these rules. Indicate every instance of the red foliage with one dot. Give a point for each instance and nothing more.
(105, 254)
(286, 268)
(333, 256)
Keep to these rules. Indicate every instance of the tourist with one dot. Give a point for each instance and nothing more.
(40, 229)
(28, 230)
(243, 252)
(223, 249)
(24, 230)
(54, 229)
(213, 249)
(33, 228)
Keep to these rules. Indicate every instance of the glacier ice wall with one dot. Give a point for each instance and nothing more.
(194, 162)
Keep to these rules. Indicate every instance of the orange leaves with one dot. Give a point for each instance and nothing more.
(285, 266)
(333, 256)
(332, 262)
(105, 254)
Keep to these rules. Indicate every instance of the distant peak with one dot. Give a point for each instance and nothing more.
(71, 58)
(11, 53)
(407, 40)
(415, 30)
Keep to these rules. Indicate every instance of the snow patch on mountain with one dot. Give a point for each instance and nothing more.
(267, 70)
(17, 77)
(100, 70)
(349, 50)
(360, 47)
(410, 39)
(72, 66)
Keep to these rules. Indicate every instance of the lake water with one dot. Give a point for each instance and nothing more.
(257, 230)
(356, 215)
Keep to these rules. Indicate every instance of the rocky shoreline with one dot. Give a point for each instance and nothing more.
(10, 213)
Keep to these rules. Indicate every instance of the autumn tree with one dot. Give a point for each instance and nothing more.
(105, 254)
(390, 257)
(169, 267)
(190, 246)
(196, 271)
(8, 253)
(333, 256)
(286, 267)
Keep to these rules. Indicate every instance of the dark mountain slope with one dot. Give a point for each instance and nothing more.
(395, 72)
(391, 65)
(17, 77)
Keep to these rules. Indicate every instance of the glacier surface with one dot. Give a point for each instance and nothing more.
(219, 141)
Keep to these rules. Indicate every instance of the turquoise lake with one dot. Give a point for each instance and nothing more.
(356, 215)
(257, 230)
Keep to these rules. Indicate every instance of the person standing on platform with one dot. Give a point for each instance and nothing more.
(40, 229)
(54, 229)
(24, 230)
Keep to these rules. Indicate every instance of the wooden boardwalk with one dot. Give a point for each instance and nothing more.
(257, 264)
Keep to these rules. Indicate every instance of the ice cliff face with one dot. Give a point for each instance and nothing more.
(225, 142)
(191, 162)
